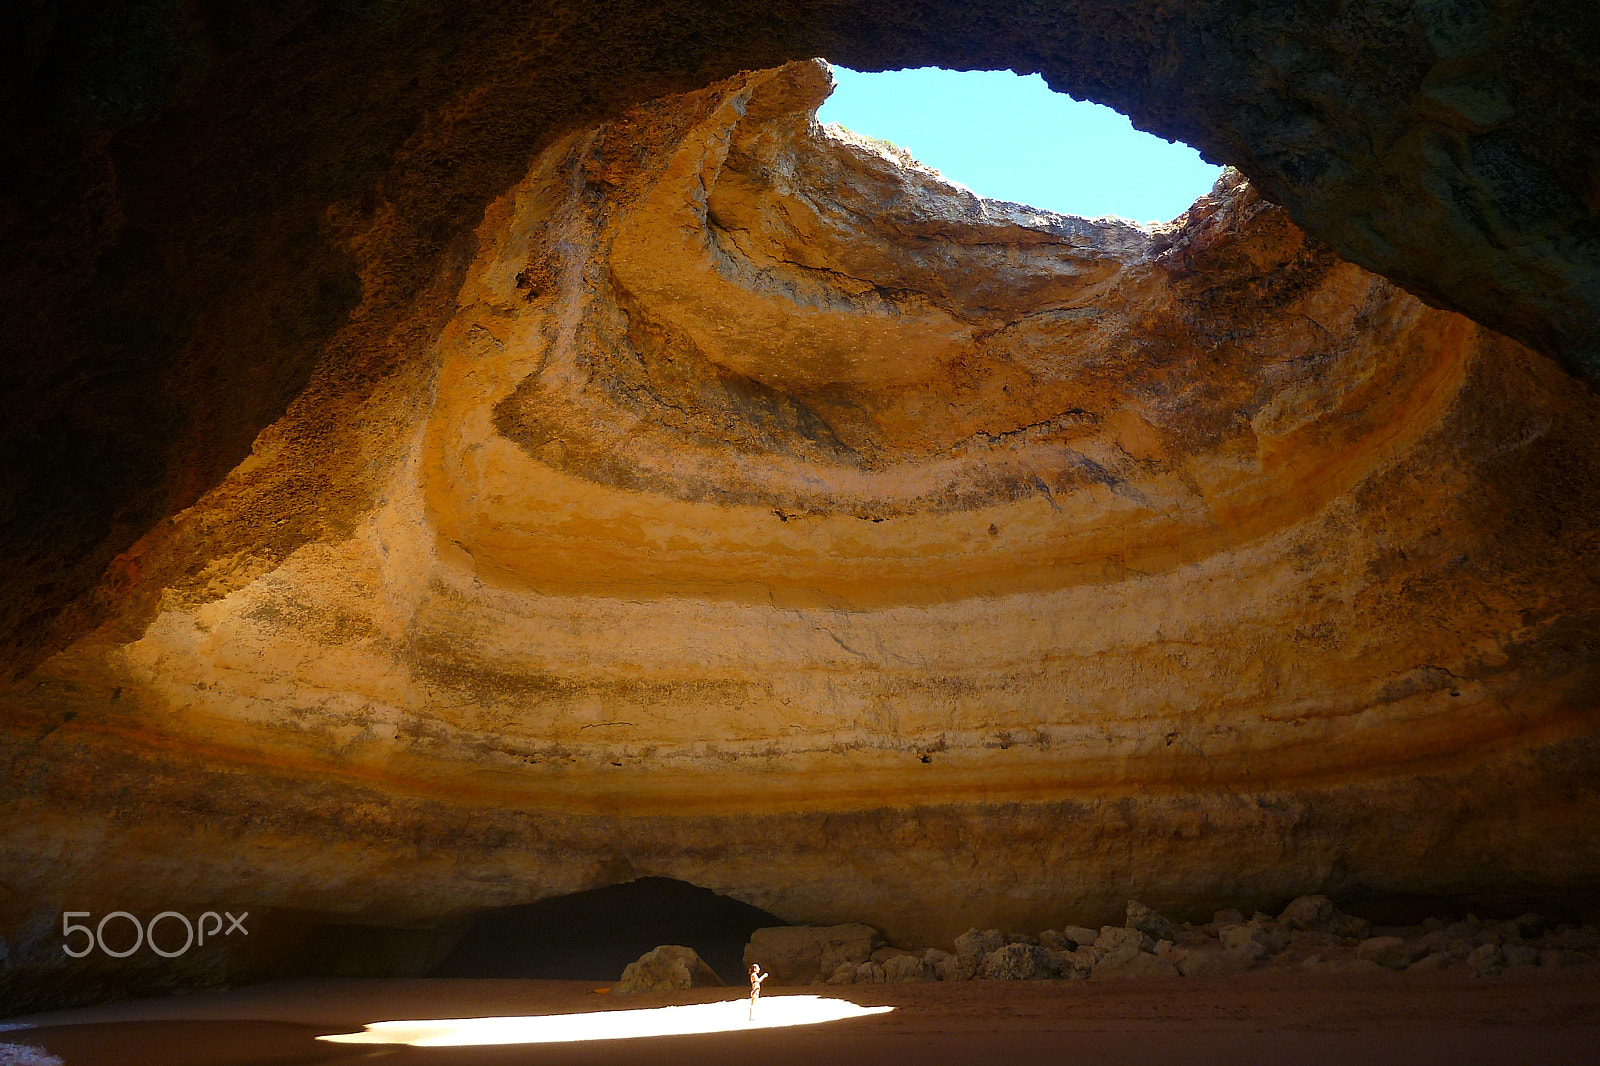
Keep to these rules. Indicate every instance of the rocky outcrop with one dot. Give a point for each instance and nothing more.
(765, 511)
(668, 968)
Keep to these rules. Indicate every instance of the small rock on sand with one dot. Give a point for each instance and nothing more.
(1390, 952)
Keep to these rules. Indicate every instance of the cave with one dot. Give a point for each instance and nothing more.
(490, 490)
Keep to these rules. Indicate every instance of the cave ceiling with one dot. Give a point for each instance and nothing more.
(461, 453)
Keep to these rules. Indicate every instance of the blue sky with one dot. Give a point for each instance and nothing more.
(1011, 138)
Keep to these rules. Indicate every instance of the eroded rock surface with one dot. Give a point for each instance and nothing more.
(209, 212)
(667, 968)
(771, 514)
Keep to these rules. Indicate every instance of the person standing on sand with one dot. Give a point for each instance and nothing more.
(756, 977)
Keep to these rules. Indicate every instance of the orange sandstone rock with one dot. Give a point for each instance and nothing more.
(773, 514)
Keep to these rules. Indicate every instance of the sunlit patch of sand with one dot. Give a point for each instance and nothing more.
(724, 1017)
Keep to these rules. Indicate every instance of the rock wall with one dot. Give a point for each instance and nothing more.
(768, 513)
(209, 207)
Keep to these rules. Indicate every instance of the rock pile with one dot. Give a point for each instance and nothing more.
(1310, 935)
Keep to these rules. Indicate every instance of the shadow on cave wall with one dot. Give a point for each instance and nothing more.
(587, 936)
(591, 936)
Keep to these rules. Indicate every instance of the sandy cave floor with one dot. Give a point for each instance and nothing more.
(1372, 1019)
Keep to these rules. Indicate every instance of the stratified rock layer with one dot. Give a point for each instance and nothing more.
(771, 514)
(208, 209)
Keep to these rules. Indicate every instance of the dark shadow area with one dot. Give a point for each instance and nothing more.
(591, 936)
(1391, 909)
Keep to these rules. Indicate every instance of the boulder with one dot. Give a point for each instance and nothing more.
(1486, 960)
(1437, 960)
(1081, 936)
(1311, 913)
(979, 942)
(869, 973)
(1116, 948)
(1390, 952)
(1270, 936)
(668, 968)
(1077, 964)
(808, 954)
(902, 968)
(1242, 939)
(1021, 962)
(1318, 914)
(1147, 921)
(958, 967)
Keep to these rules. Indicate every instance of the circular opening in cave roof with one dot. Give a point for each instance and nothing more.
(1008, 137)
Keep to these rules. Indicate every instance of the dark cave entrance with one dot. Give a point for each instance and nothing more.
(591, 936)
